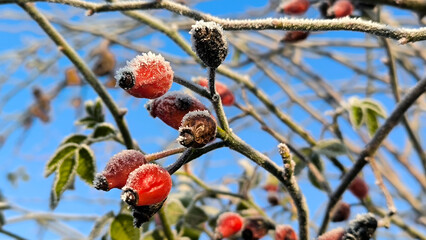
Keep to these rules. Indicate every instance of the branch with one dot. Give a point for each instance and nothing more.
(372, 147)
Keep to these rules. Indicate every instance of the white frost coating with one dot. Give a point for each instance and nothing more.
(145, 59)
(123, 160)
(195, 113)
(200, 25)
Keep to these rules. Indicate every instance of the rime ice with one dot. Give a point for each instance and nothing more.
(152, 75)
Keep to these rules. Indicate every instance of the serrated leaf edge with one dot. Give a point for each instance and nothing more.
(48, 171)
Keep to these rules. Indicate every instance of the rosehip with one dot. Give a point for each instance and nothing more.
(208, 41)
(225, 94)
(295, 36)
(335, 234)
(359, 188)
(285, 232)
(198, 128)
(228, 224)
(148, 184)
(341, 212)
(172, 107)
(273, 198)
(341, 8)
(256, 228)
(295, 7)
(146, 76)
(118, 169)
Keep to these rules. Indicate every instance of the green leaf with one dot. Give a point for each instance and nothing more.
(313, 180)
(88, 105)
(356, 116)
(375, 106)
(371, 121)
(174, 210)
(74, 138)
(330, 148)
(98, 114)
(191, 233)
(154, 235)
(88, 121)
(64, 176)
(300, 164)
(86, 164)
(63, 152)
(103, 131)
(122, 228)
(195, 216)
(99, 225)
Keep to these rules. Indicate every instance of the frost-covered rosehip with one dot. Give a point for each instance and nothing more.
(228, 224)
(341, 8)
(197, 129)
(285, 232)
(362, 227)
(295, 7)
(335, 234)
(146, 76)
(256, 228)
(359, 188)
(295, 36)
(118, 169)
(208, 41)
(341, 212)
(172, 107)
(225, 94)
(149, 184)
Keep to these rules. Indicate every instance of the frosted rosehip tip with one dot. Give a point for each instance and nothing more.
(130, 197)
(127, 80)
(100, 182)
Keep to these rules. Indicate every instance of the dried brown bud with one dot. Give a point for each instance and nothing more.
(341, 212)
(197, 129)
(71, 77)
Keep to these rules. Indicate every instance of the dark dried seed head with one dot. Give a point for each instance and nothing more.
(142, 214)
(197, 129)
(100, 182)
(127, 80)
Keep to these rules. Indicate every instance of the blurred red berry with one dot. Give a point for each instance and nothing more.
(285, 232)
(295, 36)
(273, 198)
(172, 107)
(335, 234)
(149, 184)
(118, 169)
(341, 8)
(359, 188)
(341, 212)
(228, 224)
(225, 94)
(295, 7)
(256, 228)
(146, 76)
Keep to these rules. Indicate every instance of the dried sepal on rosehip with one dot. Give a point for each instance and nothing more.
(256, 228)
(208, 41)
(294, 7)
(359, 188)
(149, 184)
(228, 224)
(146, 76)
(285, 232)
(341, 212)
(340, 8)
(225, 94)
(295, 36)
(335, 234)
(172, 107)
(142, 214)
(118, 169)
(197, 129)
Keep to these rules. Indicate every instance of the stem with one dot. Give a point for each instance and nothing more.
(11, 234)
(216, 101)
(180, 162)
(166, 226)
(155, 156)
(82, 67)
(372, 147)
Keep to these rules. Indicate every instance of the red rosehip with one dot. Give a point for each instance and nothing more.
(335, 234)
(285, 232)
(273, 198)
(341, 8)
(225, 94)
(118, 169)
(295, 7)
(359, 188)
(256, 228)
(295, 36)
(270, 187)
(228, 224)
(341, 212)
(172, 107)
(148, 184)
(146, 76)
